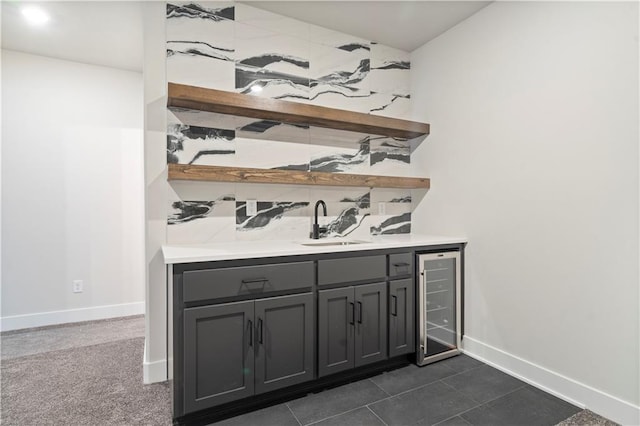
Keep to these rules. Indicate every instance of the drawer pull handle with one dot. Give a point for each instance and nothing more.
(250, 333)
(395, 306)
(255, 281)
(402, 265)
(257, 289)
(353, 313)
(261, 331)
(359, 313)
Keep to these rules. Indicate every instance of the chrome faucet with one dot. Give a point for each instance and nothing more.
(315, 234)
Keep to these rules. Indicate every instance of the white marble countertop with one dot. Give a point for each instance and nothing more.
(186, 253)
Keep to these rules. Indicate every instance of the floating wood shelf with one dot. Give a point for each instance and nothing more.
(295, 177)
(236, 104)
(222, 102)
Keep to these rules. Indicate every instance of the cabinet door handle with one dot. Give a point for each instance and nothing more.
(395, 306)
(261, 331)
(353, 313)
(250, 333)
(401, 264)
(359, 313)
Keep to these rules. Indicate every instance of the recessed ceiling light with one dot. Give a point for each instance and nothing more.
(35, 16)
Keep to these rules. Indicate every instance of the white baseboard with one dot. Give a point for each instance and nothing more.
(556, 384)
(40, 319)
(154, 371)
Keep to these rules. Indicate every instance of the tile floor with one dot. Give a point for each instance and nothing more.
(456, 391)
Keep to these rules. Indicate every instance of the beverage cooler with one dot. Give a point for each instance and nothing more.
(439, 306)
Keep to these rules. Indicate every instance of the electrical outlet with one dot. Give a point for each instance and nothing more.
(381, 209)
(252, 207)
(77, 286)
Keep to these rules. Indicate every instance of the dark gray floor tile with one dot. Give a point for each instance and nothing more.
(453, 421)
(461, 363)
(484, 383)
(360, 417)
(429, 404)
(524, 407)
(325, 404)
(411, 377)
(278, 415)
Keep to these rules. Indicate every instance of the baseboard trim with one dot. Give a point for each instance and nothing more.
(154, 371)
(556, 384)
(40, 319)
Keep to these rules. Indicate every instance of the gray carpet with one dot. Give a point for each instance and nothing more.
(67, 336)
(90, 385)
(586, 417)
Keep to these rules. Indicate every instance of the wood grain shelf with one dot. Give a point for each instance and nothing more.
(295, 177)
(237, 104)
(222, 102)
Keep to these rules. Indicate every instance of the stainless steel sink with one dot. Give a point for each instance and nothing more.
(321, 243)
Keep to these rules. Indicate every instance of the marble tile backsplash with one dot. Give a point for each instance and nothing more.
(201, 44)
(236, 47)
(209, 213)
(239, 48)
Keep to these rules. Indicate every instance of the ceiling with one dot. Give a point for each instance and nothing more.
(405, 25)
(93, 32)
(109, 33)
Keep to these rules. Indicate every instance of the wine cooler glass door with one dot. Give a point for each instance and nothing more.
(439, 306)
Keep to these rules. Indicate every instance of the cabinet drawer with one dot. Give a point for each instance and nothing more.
(228, 282)
(400, 264)
(366, 268)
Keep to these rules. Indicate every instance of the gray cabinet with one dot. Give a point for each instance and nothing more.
(218, 354)
(351, 269)
(336, 319)
(400, 265)
(371, 323)
(284, 341)
(257, 281)
(245, 328)
(401, 317)
(235, 350)
(352, 327)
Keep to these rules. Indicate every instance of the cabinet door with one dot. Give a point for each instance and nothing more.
(371, 323)
(336, 316)
(401, 317)
(218, 354)
(284, 341)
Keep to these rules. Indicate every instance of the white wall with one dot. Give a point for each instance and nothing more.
(72, 191)
(156, 189)
(534, 156)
